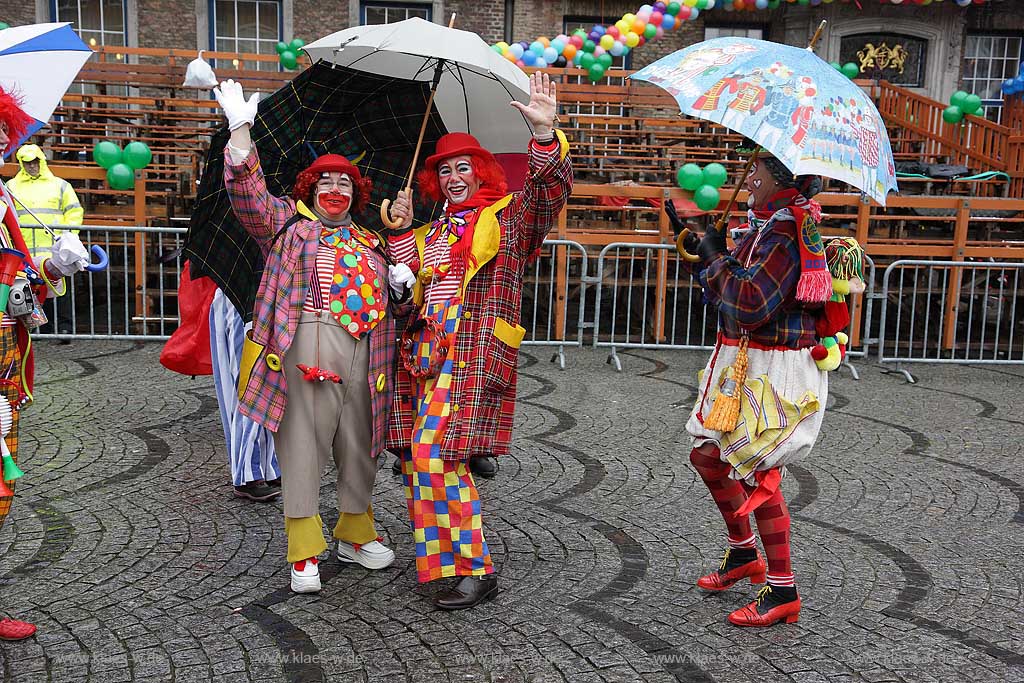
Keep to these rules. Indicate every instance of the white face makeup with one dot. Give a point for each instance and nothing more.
(457, 179)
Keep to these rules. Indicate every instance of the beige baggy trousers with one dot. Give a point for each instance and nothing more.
(325, 420)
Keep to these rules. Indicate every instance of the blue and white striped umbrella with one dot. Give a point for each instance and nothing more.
(38, 63)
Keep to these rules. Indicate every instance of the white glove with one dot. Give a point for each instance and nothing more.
(400, 277)
(69, 255)
(237, 109)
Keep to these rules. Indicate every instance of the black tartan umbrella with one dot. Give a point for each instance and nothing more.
(373, 120)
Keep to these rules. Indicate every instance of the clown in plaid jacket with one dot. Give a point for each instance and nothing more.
(483, 387)
(290, 261)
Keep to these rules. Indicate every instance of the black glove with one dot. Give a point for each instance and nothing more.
(712, 245)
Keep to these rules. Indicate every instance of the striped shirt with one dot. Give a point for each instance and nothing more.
(319, 295)
(437, 256)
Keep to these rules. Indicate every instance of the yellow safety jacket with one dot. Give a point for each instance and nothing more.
(52, 199)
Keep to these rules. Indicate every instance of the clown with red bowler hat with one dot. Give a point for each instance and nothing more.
(318, 368)
(457, 375)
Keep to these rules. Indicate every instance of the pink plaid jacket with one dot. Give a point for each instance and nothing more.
(289, 264)
(483, 389)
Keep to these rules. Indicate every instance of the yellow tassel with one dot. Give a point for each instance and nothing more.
(725, 413)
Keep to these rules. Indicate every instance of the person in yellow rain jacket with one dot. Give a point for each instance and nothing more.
(50, 198)
(54, 202)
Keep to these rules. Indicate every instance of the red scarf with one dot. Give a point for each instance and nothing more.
(815, 285)
(462, 249)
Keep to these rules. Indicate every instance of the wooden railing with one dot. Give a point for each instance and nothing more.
(977, 143)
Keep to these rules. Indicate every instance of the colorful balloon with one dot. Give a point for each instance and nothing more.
(120, 177)
(689, 177)
(106, 154)
(137, 155)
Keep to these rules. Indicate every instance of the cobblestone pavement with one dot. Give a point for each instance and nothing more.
(128, 550)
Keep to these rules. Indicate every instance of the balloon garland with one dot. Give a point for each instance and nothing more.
(961, 104)
(594, 50)
(121, 164)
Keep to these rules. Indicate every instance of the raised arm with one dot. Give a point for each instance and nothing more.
(533, 211)
(259, 212)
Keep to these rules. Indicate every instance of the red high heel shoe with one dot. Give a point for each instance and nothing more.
(774, 609)
(720, 579)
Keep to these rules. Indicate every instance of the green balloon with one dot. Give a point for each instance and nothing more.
(106, 154)
(281, 47)
(605, 60)
(587, 60)
(706, 198)
(715, 175)
(689, 177)
(957, 99)
(650, 31)
(289, 60)
(850, 70)
(588, 45)
(595, 72)
(772, 4)
(952, 114)
(673, 8)
(120, 177)
(837, 66)
(137, 155)
(296, 44)
(3, 25)
(972, 104)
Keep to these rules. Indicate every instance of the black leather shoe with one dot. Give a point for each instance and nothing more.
(470, 591)
(396, 466)
(483, 466)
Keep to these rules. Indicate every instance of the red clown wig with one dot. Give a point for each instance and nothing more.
(17, 120)
(304, 189)
(485, 166)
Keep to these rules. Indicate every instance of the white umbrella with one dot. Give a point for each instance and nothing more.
(475, 86)
(38, 63)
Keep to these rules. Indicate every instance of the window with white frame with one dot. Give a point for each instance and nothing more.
(733, 32)
(390, 12)
(98, 22)
(988, 61)
(247, 26)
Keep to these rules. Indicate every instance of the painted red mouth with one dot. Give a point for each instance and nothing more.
(334, 202)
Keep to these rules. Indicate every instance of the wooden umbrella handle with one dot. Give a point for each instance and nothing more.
(385, 206)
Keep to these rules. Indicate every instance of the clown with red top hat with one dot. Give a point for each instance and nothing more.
(457, 375)
(17, 269)
(318, 367)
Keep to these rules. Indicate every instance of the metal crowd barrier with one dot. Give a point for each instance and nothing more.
(647, 299)
(554, 297)
(978, 323)
(131, 299)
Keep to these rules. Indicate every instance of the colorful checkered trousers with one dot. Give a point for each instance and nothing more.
(444, 507)
(10, 378)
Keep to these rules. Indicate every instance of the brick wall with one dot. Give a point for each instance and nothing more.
(167, 23)
(18, 13)
(312, 20)
(486, 17)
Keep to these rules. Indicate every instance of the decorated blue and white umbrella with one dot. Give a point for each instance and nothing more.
(38, 63)
(788, 100)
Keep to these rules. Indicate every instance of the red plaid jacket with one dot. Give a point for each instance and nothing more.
(290, 261)
(483, 388)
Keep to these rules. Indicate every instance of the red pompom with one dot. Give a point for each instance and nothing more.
(819, 352)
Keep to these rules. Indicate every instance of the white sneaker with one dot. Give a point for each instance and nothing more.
(372, 555)
(307, 579)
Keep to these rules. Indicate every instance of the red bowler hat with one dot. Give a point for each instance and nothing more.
(334, 162)
(457, 144)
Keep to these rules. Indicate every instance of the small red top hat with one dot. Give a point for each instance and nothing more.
(457, 144)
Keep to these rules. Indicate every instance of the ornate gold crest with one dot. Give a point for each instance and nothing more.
(882, 57)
